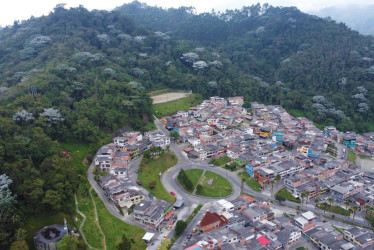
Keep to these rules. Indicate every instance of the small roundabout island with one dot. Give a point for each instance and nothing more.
(204, 183)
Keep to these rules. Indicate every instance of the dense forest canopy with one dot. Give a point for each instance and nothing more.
(76, 73)
(280, 56)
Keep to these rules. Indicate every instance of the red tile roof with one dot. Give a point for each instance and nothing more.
(210, 218)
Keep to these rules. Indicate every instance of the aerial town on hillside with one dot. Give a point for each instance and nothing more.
(271, 147)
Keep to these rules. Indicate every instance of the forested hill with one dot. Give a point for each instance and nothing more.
(71, 75)
(281, 56)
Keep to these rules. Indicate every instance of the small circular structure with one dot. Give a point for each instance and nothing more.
(47, 237)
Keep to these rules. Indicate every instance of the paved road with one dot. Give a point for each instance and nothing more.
(168, 180)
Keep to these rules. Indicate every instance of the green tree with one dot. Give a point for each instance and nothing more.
(125, 243)
(354, 210)
(175, 135)
(199, 189)
(346, 203)
(331, 200)
(316, 202)
(19, 245)
(152, 184)
(68, 242)
(272, 185)
(278, 178)
(280, 198)
(180, 227)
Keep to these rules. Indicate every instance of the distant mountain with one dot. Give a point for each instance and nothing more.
(360, 18)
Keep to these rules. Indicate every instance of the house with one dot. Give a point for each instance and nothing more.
(354, 232)
(212, 221)
(103, 162)
(305, 221)
(288, 235)
(151, 212)
(349, 139)
(263, 175)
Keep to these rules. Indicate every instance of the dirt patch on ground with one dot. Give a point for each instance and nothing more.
(168, 97)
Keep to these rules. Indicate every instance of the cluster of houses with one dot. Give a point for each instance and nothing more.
(271, 144)
(114, 160)
(249, 223)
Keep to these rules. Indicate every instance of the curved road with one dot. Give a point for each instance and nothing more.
(168, 180)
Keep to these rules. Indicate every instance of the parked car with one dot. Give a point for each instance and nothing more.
(189, 236)
(172, 193)
(194, 230)
(211, 165)
(150, 196)
(138, 182)
(166, 237)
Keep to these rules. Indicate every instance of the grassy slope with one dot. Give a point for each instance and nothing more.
(287, 195)
(194, 176)
(252, 183)
(112, 227)
(168, 108)
(220, 187)
(149, 171)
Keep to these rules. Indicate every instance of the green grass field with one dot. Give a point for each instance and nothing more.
(287, 195)
(220, 187)
(351, 156)
(168, 108)
(149, 171)
(194, 176)
(252, 183)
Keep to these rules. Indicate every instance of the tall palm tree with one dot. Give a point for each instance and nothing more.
(354, 210)
(316, 202)
(307, 193)
(272, 185)
(331, 200)
(303, 194)
(278, 177)
(346, 203)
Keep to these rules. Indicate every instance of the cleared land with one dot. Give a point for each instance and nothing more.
(172, 107)
(149, 171)
(168, 97)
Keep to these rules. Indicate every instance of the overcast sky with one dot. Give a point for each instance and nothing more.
(11, 10)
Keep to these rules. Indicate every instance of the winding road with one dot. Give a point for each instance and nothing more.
(168, 179)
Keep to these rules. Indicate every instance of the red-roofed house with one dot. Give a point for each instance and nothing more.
(212, 221)
(263, 240)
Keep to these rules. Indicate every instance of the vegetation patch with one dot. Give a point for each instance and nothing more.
(220, 161)
(232, 167)
(149, 174)
(219, 187)
(250, 181)
(351, 156)
(168, 108)
(114, 228)
(192, 176)
(334, 209)
(287, 195)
